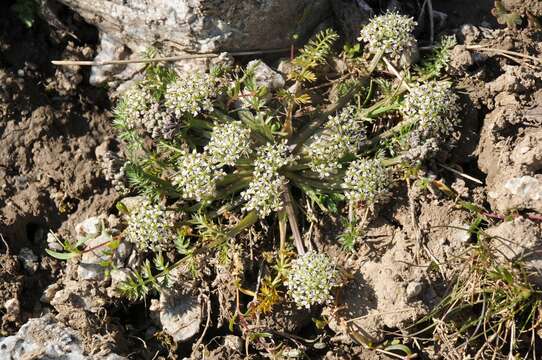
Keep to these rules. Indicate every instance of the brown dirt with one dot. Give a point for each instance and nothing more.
(50, 125)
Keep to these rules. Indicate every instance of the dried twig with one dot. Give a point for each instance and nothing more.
(289, 207)
(505, 52)
(161, 59)
(207, 323)
(5, 244)
(396, 72)
(471, 178)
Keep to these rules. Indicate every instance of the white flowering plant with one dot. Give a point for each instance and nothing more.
(228, 151)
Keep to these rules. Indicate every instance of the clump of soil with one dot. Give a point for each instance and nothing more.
(51, 124)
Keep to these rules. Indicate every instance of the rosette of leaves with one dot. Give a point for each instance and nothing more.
(211, 155)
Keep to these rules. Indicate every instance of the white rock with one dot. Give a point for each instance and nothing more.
(52, 242)
(523, 192)
(200, 25)
(49, 293)
(526, 187)
(117, 277)
(179, 314)
(414, 289)
(265, 76)
(90, 267)
(13, 308)
(45, 338)
(90, 227)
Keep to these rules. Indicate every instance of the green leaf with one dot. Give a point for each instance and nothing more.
(505, 17)
(122, 208)
(61, 256)
(399, 347)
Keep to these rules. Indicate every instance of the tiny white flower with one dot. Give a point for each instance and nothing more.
(141, 111)
(191, 93)
(264, 193)
(390, 33)
(311, 278)
(342, 135)
(151, 227)
(433, 107)
(196, 177)
(366, 180)
(229, 142)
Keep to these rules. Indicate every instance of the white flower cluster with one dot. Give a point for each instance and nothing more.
(264, 193)
(113, 168)
(191, 93)
(433, 107)
(341, 135)
(150, 226)
(196, 178)
(134, 105)
(366, 180)
(142, 111)
(311, 279)
(229, 142)
(390, 33)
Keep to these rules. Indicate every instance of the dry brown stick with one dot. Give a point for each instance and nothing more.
(5, 243)
(161, 59)
(294, 227)
(508, 52)
(207, 323)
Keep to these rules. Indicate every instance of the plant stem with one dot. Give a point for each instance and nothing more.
(249, 220)
(290, 211)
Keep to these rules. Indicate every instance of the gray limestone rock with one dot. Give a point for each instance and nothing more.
(45, 338)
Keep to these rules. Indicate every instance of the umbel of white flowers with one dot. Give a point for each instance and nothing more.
(196, 176)
(311, 278)
(191, 93)
(264, 193)
(390, 33)
(432, 105)
(367, 180)
(341, 135)
(229, 142)
(150, 226)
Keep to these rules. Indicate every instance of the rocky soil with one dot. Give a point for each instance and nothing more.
(55, 128)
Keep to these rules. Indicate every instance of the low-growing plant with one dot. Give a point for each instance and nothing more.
(224, 141)
(216, 153)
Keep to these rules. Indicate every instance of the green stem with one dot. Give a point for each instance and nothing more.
(375, 61)
(319, 184)
(372, 142)
(320, 119)
(233, 188)
(249, 220)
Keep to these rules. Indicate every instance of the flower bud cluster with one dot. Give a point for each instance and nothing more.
(433, 107)
(390, 33)
(229, 142)
(150, 226)
(197, 176)
(366, 180)
(264, 193)
(191, 93)
(342, 135)
(311, 278)
(141, 111)
(113, 168)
